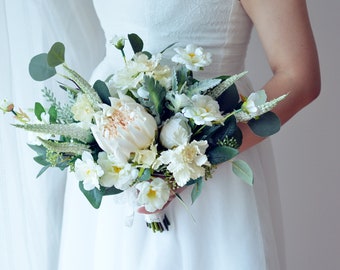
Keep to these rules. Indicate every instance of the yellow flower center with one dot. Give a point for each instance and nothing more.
(192, 55)
(116, 169)
(152, 193)
(189, 154)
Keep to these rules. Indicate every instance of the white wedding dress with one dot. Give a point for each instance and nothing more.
(231, 225)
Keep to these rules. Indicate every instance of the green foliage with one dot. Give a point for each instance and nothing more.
(136, 42)
(221, 154)
(242, 170)
(39, 68)
(52, 112)
(265, 125)
(94, 196)
(103, 91)
(229, 99)
(197, 189)
(56, 54)
(144, 174)
(157, 96)
(38, 110)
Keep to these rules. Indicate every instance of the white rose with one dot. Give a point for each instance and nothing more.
(176, 131)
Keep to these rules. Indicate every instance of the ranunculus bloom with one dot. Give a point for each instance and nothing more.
(176, 131)
(203, 110)
(119, 175)
(123, 128)
(153, 195)
(186, 161)
(87, 171)
(193, 57)
(82, 109)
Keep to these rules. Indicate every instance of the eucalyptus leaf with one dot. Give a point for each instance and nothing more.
(145, 174)
(38, 110)
(41, 160)
(39, 149)
(229, 99)
(196, 190)
(221, 154)
(39, 69)
(111, 191)
(56, 55)
(94, 196)
(266, 125)
(103, 91)
(136, 42)
(43, 169)
(242, 170)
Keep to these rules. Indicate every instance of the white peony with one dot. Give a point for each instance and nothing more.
(82, 109)
(87, 171)
(123, 128)
(185, 161)
(203, 110)
(153, 195)
(193, 57)
(175, 131)
(119, 175)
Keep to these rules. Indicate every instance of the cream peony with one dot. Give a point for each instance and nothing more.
(176, 131)
(123, 128)
(153, 195)
(185, 161)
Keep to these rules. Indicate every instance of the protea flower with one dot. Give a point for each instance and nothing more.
(123, 128)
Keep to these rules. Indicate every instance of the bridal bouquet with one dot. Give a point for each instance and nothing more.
(148, 130)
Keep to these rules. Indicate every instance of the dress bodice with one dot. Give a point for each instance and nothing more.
(220, 26)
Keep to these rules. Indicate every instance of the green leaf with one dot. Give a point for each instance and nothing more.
(136, 42)
(38, 110)
(56, 55)
(52, 112)
(112, 191)
(229, 99)
(156, 94)
(221, 154)
(266, 125)
(94, 196)
(41, 160)
(144, 174)
(242, 170)
(43, 169)
(39, 149)
(39, 68)
(103, 91)
(196, 190)
(172, 44)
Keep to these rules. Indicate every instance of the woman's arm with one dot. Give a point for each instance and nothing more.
(286, 35)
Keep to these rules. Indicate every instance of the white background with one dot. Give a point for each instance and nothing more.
(307, 153)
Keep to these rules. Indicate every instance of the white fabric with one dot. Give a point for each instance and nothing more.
(233, 226)
(31, 209)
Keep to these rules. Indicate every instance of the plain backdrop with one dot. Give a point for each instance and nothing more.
(307, 152)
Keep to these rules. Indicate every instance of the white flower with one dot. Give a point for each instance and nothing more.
(175, 131)
(254, 100)
(153, 195)
(194, 58)
(82, 109)
(119, 175)
(146, 158)
(177, 101)
(123, 128)
(118, 42)
(185, 161)
(87, 171)
(203, 110)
